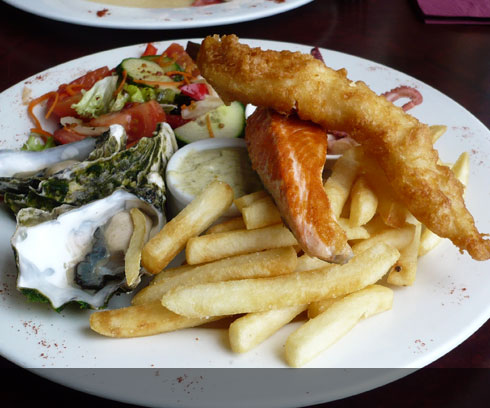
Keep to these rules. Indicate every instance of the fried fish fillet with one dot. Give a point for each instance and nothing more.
(289, 155)
(294, 82)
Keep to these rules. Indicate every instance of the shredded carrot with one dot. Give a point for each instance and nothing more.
(51, 108)
(208, 125)
(41, 132)
(35, 102)
(72, 89)
(142, 81)
(123, 81)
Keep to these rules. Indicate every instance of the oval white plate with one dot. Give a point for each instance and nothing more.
(448, 302)
(85, 13)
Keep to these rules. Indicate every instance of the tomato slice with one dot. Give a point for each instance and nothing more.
(178, 53)
(66, 135)
(139, 119)
(176, 120)
(150, 50)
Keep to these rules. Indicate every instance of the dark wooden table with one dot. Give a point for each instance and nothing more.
(452, 58)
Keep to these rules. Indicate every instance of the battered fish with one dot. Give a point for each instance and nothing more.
(289, 155)
(294, 82)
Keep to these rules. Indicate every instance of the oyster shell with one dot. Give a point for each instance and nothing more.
(64, 254)
(138, 169)
(24, 163)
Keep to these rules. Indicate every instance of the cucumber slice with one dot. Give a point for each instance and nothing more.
(226, 121)
(168, 64)
(140, 69)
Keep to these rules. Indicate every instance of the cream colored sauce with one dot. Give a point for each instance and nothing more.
(231, 165)
(146, 3)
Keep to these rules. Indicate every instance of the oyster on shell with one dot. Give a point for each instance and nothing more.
(66, 245)
(68, 254)
(138, 169)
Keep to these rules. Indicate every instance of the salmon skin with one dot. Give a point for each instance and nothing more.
(289, 155)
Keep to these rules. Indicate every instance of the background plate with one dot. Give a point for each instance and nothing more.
(448, 302)
(85, 13)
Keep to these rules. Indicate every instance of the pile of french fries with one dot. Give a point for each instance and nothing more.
(251, 268)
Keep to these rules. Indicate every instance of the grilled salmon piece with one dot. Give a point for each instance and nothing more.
(289, 155)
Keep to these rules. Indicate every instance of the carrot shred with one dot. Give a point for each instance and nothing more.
(72, 89)
(208, 125)
(41, 132)
(35, 102)
(51, 108)
(123, 81)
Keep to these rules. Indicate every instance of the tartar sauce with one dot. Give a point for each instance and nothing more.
(231, 165)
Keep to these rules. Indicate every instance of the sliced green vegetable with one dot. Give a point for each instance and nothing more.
(225, 121)
(139, 70)
(166, 63)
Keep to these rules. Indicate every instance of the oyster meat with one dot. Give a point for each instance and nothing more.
(70, 254)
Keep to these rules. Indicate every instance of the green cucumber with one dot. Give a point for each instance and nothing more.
(139, 69)
(166, 63)
(226, 121)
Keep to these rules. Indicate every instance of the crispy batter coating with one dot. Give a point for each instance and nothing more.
(294, 82)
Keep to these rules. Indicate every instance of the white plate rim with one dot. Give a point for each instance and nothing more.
(320, 395)
(85, 13)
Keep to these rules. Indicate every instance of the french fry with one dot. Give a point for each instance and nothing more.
(461, 169)
(248, 199)
(437, 131)
(404, 271)
(191, 221)
(353, 232)
(308, 263)
(208, 248)
(132, 258)
(257, 295)
(396, 237)
(231, 224)
(273, 262)
(169, 273)
(390, 209)
(317, 334)
(316, 308)
(252, 329)
(339, 184)
(364, 203)
(261, 213)
(142, 320)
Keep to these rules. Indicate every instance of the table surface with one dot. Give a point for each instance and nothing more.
(452, 58)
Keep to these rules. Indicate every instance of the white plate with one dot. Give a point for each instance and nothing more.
(448, 302)
(85, 13)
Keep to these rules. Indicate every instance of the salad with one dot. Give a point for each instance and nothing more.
(138, 93)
